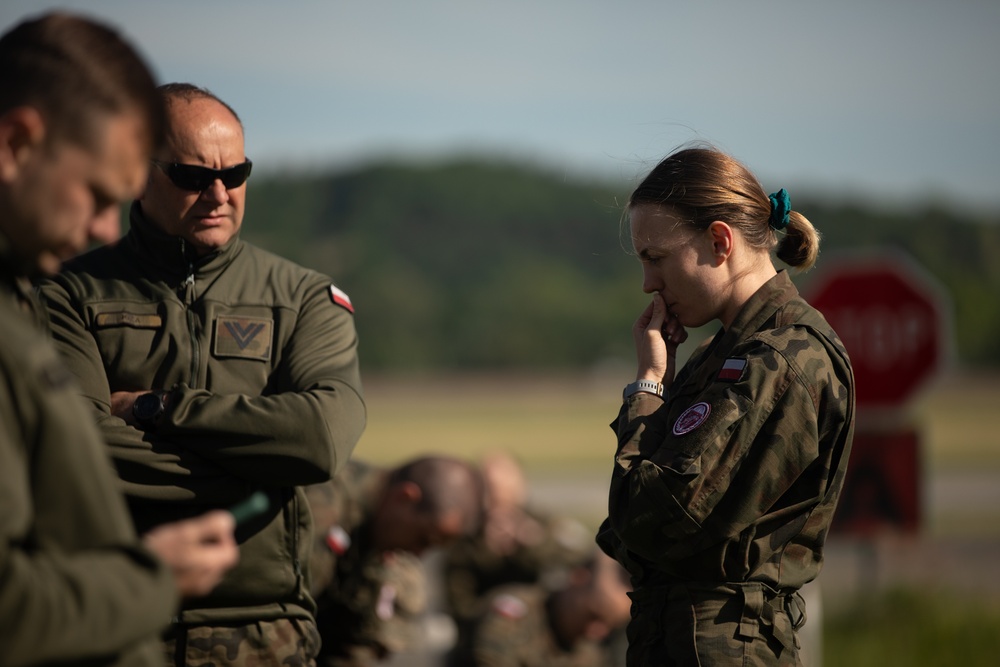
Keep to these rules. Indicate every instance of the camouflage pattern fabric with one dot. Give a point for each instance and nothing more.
(516, 631)
(368, 602)
(471, 569)
(722, 494)
(283, 642)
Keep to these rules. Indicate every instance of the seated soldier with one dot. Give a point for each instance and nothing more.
(517, 543)
(526, 625)
(371, 527)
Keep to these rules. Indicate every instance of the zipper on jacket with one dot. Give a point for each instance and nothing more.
(188, 299)
(296, 564)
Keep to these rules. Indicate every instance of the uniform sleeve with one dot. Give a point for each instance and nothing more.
(699, 469)
(148, 465)
(74, 582)
(58, 607)
(305, 431)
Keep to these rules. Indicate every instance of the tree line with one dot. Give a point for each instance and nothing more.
(480, 265)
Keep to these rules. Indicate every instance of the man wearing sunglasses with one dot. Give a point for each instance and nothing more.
(215, 369)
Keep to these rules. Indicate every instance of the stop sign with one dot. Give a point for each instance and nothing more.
(891, 317)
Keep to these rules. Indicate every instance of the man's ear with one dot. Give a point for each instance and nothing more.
(721, 235)
(22, 131)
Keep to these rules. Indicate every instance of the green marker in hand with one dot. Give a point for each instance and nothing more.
(247, 509)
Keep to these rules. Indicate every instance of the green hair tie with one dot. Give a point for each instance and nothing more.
(781, 206)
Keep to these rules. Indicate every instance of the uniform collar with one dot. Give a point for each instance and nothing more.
(172, 254)
(758, 309)
(11, 265)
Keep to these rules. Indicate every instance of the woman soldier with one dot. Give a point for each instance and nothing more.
(727, 473)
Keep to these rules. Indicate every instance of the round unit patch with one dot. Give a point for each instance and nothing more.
(692, 418)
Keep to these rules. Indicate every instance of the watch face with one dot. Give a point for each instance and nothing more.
(147, 406)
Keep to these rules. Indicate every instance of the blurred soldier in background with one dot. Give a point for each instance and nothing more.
(215, 369)
(517, 544)
(526, 625)
(372, 525)
(79, 117)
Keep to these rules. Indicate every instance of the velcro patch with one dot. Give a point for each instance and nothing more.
(692, 418)
(125, 319)
(732, 370)
(340, 298)
(246, 337)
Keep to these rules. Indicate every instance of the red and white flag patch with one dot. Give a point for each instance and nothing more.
(732, 370)
(338, 540)
(340, 298)
(510, 606)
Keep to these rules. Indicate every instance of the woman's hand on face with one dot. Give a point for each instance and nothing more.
(657, 333)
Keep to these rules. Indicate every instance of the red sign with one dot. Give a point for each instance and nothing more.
(890, 316)
(882, 486)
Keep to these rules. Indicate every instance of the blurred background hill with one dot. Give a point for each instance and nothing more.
(476, 264)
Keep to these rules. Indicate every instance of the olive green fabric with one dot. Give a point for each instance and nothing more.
(77, 587)
(266, 395)
(723, 493)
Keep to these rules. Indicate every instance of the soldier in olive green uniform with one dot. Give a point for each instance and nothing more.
(528, 625)
(77, 123)
(372, 525)
(214, 370)
(726, 476)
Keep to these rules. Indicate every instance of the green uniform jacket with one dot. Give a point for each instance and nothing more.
(368, 601)
(266, 394)
(727, 488)
(75, 585)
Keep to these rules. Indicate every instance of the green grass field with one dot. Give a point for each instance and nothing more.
(557, 423)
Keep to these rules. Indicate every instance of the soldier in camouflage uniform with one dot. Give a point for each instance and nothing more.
(726, 475)
(517, 543)
(78, 119)
(528, 625)
(372, 525)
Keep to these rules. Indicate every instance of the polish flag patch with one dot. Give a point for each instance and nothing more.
(338, 540)
(340, 298)
(732, 370)
(510, 606)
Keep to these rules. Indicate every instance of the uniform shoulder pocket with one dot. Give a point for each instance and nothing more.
(701, 430)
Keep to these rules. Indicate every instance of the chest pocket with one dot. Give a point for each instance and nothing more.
(243, 337)
(702, 432)
(130, 338)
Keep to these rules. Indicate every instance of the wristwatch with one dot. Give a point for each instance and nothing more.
(644, 386)
(149, 408)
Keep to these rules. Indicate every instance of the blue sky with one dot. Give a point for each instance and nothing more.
(886, 99)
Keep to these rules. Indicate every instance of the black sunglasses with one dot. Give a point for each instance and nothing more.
(197, 178)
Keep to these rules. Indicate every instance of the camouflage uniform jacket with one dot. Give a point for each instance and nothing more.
(262, 363)
(78, 588)
(727, 487)
(472, 569)
(516, 631)
(368, 601)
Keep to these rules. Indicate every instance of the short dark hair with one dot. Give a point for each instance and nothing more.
(73, 70)
(446, 484)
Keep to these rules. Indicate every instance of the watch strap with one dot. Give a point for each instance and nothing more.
(645, 386)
